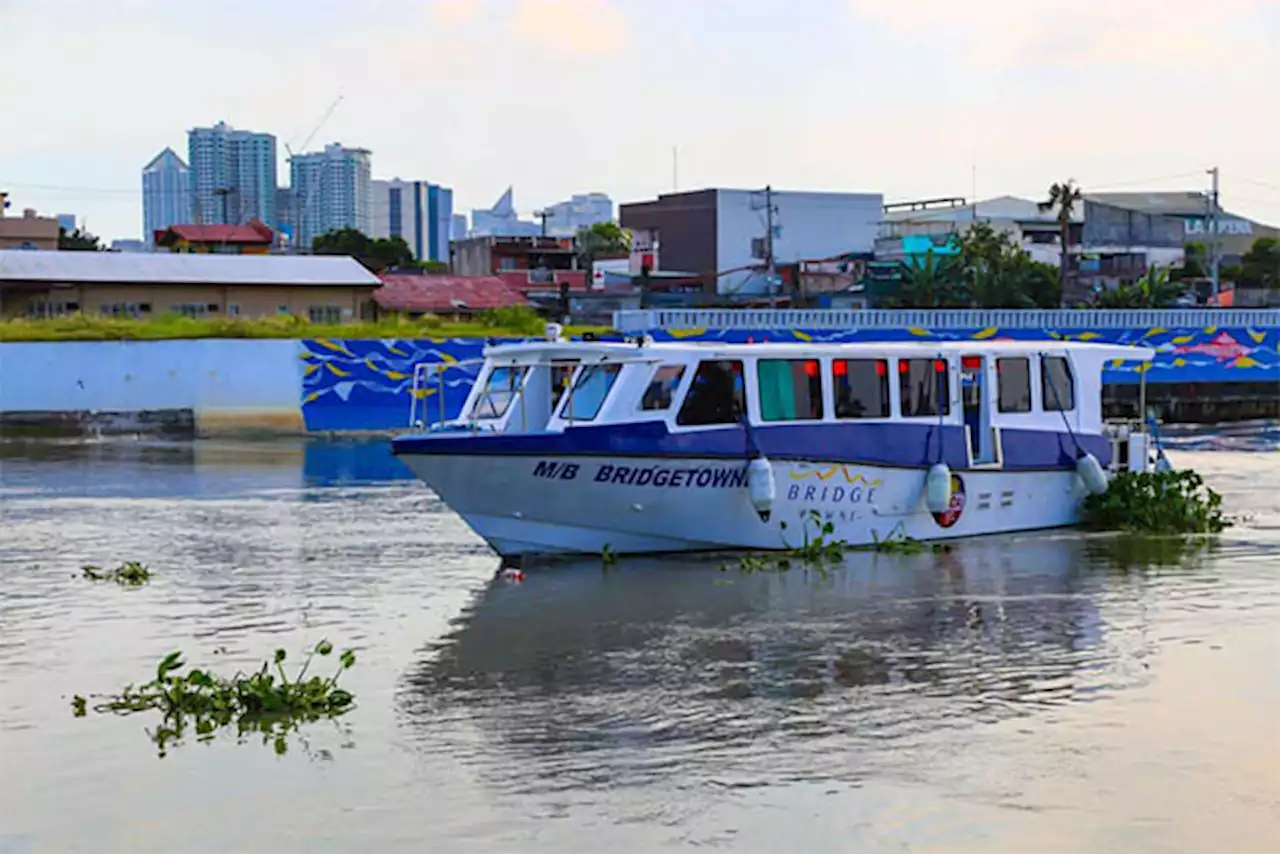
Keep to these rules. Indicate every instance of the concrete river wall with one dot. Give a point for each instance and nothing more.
(1203, 371)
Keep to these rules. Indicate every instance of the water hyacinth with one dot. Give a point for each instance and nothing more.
(265, 701)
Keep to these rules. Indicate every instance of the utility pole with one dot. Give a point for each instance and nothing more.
(225, 193)
(675, 169)
(1213, 227)
(542, 215)
(769, 261)
(768, 244)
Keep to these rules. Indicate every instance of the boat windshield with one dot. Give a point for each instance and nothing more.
(589, 392)
(499, 390)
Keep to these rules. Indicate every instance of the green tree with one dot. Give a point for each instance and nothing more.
(933, 281)
(989, 270)
(377, 254)
(78, 241)
(1155, 289)
(600, 239)
(998, 273)
(1063, 199)
(1195, 265)
(1260, 266)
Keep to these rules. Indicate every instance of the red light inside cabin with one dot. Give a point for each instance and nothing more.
(940, 366)
(903, 367)
(840, 368)
(881, 368)
(811, 368)
(972, 363)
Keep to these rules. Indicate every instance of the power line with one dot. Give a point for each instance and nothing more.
(65, 189)
(1135, 183)
(1256, 182)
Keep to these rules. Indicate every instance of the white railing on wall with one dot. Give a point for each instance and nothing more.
(1074, 318)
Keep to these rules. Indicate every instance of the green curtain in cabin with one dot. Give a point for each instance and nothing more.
(777, 390)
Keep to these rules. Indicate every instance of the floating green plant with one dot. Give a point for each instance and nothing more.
(131, 573)
(264, 702)
(1158, 502)
(902, 544)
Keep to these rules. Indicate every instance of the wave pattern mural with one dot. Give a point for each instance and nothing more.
(367, 384)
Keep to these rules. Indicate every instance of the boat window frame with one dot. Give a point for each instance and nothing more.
(676, 389)
(563, 410)
(821, 396)
(744, 406)
(944, 409)
(483, 392)
(1029, 387)
(1047, 400)
(885, 385)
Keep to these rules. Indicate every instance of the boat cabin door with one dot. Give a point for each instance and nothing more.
(977, 410)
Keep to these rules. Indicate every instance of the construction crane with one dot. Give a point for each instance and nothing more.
(300, 202)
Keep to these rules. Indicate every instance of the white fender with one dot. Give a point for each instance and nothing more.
(1090, 471)
(937, 488)
(761, 487)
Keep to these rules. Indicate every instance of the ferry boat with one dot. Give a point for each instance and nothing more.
(588, 447)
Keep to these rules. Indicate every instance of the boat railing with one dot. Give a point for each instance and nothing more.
(651, 320)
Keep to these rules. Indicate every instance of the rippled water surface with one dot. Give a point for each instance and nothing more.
(1036, 693)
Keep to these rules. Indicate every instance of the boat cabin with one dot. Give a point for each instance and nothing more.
(983, 386)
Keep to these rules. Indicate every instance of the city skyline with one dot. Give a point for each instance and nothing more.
(846, 95)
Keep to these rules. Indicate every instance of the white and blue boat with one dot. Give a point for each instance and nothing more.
(580, 447)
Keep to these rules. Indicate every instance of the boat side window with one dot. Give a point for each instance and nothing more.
(499, 390)
(1057, 387)
(662, 388)
(861, 387)
(1014, 384)
(589, 392)
(790, 389)
(717, 395)
(924, 387)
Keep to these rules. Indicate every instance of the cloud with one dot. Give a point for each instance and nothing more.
(582, 27)
(1080, 33)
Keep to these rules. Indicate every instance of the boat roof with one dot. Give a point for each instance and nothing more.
(801, 349)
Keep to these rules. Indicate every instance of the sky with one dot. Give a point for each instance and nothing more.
(909, 98)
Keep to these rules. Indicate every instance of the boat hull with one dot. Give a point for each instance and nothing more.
(565, 505)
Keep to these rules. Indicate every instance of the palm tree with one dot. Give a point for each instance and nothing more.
(1063, 197)
(1153, 290)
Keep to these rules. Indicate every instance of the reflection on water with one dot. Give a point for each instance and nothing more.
(1028, 693)
(588, 669)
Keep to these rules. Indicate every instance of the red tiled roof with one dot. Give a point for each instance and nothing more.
(519, 280)
(412, 292)
(251, 232)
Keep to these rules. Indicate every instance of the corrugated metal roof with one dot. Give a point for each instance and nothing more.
(1178, 203)
(164, 268)
(411, 292)
(1000, 207)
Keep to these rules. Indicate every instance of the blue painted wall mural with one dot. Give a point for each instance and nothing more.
(367, 384)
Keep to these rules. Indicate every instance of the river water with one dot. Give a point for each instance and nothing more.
(1038, 693)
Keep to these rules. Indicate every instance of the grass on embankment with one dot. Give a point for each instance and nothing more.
(80, 327)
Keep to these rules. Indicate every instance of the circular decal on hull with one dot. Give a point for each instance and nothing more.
(951, 515)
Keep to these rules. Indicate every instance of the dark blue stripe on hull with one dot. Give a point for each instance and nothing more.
(894, 445)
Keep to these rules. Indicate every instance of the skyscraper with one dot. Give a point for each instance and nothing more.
(233, 174)
(580, 211)
(418, 211)
(166, 194)
(331, 190)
